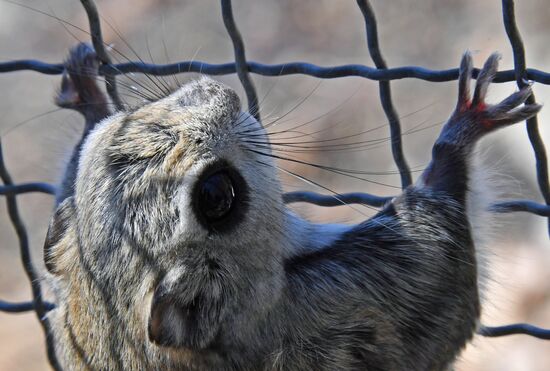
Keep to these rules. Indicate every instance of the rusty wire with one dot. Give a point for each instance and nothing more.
(242, 67)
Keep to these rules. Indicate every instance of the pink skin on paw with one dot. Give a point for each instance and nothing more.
(479, 108)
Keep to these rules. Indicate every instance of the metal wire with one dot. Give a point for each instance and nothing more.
(99, 47)
(22, 307)
(242, 67)
(532, 124)
(522, 205)
(12, 190)
(515, 329)
(331, 200)
(385, 93)
(38, 305)
(240, 59)
(283, 69)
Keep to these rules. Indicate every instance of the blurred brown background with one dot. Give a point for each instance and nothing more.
(430, 33)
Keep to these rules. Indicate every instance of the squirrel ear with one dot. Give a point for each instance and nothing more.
(181, 319)
(59, 236)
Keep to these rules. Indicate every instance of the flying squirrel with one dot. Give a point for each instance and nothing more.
(171, 247)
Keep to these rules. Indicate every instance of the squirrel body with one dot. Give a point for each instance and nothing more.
(171, 247)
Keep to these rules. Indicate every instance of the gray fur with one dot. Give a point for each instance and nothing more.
(131, 264)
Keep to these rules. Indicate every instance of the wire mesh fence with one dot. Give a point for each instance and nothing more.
(243, 68)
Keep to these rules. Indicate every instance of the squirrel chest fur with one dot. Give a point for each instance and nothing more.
(171, 247)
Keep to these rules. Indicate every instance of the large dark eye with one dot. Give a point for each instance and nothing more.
(216, 196)
(220, 197)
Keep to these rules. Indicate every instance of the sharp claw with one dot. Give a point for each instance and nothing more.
(65, 81)
(465, 75)
(474, 119)
(83, 60)
(517, 115)
(510, 102)
(67, 96)
(485, 77)
(79, 89)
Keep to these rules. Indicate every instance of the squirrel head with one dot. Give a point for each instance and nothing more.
(176, 218)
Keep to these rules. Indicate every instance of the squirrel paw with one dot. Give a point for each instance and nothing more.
(473, 117)
(79, 89)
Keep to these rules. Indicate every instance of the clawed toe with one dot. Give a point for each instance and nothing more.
(485, 77)
(516, 115)
(78, 84)
(474, 118)
(82, 61)
(477, 111)
(511, 102)
(67, 95)
(79, 89)
(465, 76)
